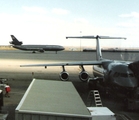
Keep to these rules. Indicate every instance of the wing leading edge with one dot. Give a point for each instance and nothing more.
(65, 64)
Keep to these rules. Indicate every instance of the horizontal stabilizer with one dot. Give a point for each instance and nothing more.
(95, 37)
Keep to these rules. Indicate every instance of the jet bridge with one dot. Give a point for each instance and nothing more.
(53, 100)
(57, 100)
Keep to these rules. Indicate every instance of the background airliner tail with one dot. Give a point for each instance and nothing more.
(15, 41)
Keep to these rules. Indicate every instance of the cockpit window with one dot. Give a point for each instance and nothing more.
(116, 74)
(131, 75)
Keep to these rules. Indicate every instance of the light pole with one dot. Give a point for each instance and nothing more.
(80, 40)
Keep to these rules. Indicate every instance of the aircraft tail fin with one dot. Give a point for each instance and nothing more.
(15, 41)
(98, 48)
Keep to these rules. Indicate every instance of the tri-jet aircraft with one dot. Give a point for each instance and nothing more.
(112, 74)
(40, 48)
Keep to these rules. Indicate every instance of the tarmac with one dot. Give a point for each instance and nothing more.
(19, 78)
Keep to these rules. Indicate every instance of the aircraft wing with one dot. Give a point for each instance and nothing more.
(65, 64)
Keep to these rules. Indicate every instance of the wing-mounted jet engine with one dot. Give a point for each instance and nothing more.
(64, 75)
(83, 75)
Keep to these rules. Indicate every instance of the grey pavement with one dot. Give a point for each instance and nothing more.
(20, 78)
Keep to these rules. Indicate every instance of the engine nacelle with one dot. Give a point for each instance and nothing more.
(64, 76)
(83, 75)
(16, 43)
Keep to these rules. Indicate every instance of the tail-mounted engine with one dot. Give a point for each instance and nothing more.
(83, 75)
(64, 76)
(16, 43)
(41, 50)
